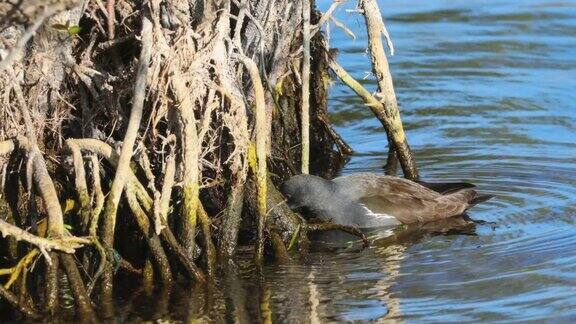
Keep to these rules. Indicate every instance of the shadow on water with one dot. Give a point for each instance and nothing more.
(487, 96)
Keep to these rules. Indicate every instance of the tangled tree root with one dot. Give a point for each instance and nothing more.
(158, 117)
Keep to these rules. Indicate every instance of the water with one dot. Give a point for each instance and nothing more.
(488, 95)
(486, 90)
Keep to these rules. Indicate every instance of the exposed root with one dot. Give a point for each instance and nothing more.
(67, 244)
(212, 96)
(123, 166)
(162, 207)
(80, 182)
(231, 223)
(19, 268)
(51, 292)
(78, 289)
(260, 167)
(280, 250)
(17, 304)
(138, 195)
(159, 256)
(190, 154)
(101, 264)
(25, 38)
(192, 270)
(209, 245)
(99, 196)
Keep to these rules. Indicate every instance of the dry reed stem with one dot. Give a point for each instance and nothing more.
(340, 25)
(326, 16)
(375, 106)
(369, 100)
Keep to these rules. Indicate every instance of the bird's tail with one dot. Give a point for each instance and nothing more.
(479, 199)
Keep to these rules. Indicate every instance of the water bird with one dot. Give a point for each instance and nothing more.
(369, 200)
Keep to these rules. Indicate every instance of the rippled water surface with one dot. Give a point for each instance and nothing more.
(488, 95)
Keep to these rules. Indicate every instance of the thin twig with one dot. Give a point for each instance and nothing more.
(340, 25)
(326, 16)
(111, 18)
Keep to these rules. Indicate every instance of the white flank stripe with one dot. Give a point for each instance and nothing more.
(371, 213)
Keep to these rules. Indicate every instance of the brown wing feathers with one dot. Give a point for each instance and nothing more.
(423, 202)
(445, 187)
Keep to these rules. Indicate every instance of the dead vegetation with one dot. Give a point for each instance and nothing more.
(170, 122)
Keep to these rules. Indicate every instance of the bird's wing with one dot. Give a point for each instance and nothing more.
(410, 202)
(368, 184)
(445, 187)
(405, 208)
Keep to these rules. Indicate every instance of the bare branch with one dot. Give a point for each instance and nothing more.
(65, 244)
(305, 112)
(386, 93)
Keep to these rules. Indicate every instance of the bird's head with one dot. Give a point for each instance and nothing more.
(307, 191)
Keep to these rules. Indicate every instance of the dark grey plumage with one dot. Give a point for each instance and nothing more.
(372, 200)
